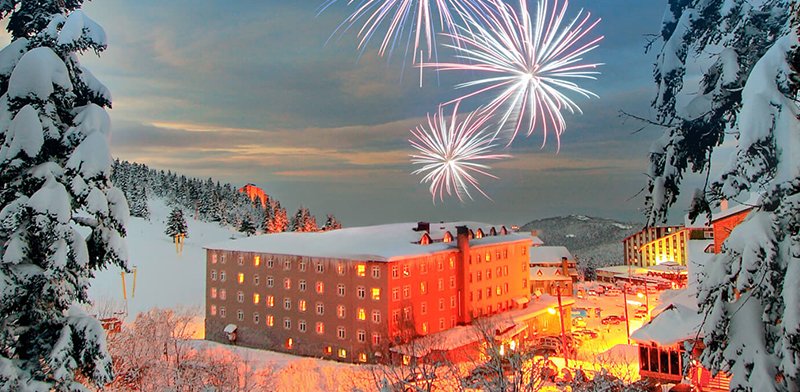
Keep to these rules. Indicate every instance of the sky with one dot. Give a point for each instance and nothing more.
(255, 92)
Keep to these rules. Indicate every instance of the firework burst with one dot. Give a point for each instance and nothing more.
(452, 151)
(531, 64)
(409, 24)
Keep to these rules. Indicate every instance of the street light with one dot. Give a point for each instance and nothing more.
(625, 306)
(563, 334)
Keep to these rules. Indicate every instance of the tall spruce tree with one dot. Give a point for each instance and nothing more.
(176, 224)
(247, 226)
(331, 223)
(54, 162)
(748, 98)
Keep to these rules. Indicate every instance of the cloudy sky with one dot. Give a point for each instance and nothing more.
(249, 91)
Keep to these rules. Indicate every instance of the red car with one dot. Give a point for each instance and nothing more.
(613, 319)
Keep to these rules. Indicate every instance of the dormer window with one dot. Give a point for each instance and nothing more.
(493, 231)
(425, 239)
(503, 230)
(447, 237)
(479, 234)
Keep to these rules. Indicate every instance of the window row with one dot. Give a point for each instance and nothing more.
(302, 306)
(319, 287)
(405, 269)
(498, 290)
(286, 264)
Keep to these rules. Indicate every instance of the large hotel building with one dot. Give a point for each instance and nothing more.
(351, 294)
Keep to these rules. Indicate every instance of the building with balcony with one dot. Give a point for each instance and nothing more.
(351, 294)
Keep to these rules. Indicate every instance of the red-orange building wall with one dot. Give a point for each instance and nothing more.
(724, 226)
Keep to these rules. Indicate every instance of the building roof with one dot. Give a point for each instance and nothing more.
(678, 321)
(549, 254)
(372, 243)
(548, 273)
(753, 201)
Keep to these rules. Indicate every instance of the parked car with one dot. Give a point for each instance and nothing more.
(613, 292)
(591, 293)
(641, 312)
(585, 333)
(613, 319)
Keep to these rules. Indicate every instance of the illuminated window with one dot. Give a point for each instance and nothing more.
(301, 325)
(342, 353)
(256, 298)
(287, 303)
(361, 335)
(376, 338)
(320, 308)
(320, 287)
(270, 301)
(452, 262)
(423, 307)
(257, 261)
(340, 268)
(376, 272)
(270, 281)
(287, 323)
(423, 287)
(301, 305)
(241, 278)
(340, 333)
(240, 297)
(424, 327)
(213, 259)
(256, 318)
(289, 342)
(361, 270)
(361, 292)
(213, 292)
(361, 314)
(213, 274)
(340, 289)
(221, 276)
(222, 311)
(222, 294)
(488, 257)
(301, 285)
(213, 310)
(362, 357)
(376, 293)
(499, 291)
(395, 272)
(256, 280)
(340, 311)
(287, 283)
(376, 316)
(406, 271)
(240, 315)
(320, 328)
(270, 320)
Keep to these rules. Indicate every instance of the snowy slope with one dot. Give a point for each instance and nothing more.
(164, 278)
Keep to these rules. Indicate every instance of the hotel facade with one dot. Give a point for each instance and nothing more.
(352, 294)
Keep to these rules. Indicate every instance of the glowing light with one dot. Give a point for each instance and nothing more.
(418, 21)
(531, 64)
(451, 151)
(551, 310)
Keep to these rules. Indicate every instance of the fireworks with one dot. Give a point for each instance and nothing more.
(451, 152)
(416, 20)
(529, 65)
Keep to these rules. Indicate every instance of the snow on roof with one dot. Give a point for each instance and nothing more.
(374, 243)
(753, 201)
(535, 238)
(678, 321)
(549, 254)
(230, 328)
(547, 273)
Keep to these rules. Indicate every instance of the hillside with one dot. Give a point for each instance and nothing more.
(588, 238)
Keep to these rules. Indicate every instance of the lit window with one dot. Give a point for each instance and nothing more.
(287, 283)
(223, 294)
(424, 327)
(241, 278)
(376, 272)
(256, 318)
(270, 301)
(499, 291)
(270, 281)
(320, 308)
(395, 272)
(452, 262)
(257, 261)
(221, 276)
(290, 341)
(376, 338)
(340, 311)
(342, 353)
(376, 316)
(240, 315)
(287, 303)
(361, 314)
(488, 257)
(301, 325)
(361, 292)
(396, 294)
(361, 270)
(361, 335)
(213, 259)
(423, 307)
(320, 287)
(240, 297)
(222, 311)
(320, 328)
(362, 357)
(256, 298)
(213, 274)
(213, 310)
(301, 285)
(340, 268)
(270, 320)
(340, 333)
(406, 271)
(213, 292)
(287, 323)
(301, 305)
(340, 290)
(376, 293)
(423, 287)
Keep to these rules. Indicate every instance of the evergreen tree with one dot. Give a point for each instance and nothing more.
(331, 223)
(138, 201)
(278, 221)
(247, 226)
(176, 224)
(54, 162)
(749, 292)
(303, 221)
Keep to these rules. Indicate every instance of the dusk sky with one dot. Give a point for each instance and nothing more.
(248, 91)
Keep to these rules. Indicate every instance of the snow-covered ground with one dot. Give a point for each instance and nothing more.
(164, 278)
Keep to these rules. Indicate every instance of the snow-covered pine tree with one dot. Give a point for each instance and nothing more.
(280, 221)
(748, 51)
(303, 221)
(137, 198)
(176, 224)
(54, 162)
(247, 227)
(331, 223)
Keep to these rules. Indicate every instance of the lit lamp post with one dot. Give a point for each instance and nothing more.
(646, 299)
(625, 306)
(563, 333)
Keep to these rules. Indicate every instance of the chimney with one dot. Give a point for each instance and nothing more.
(423, 226)
(462, 270)
(564, 266)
